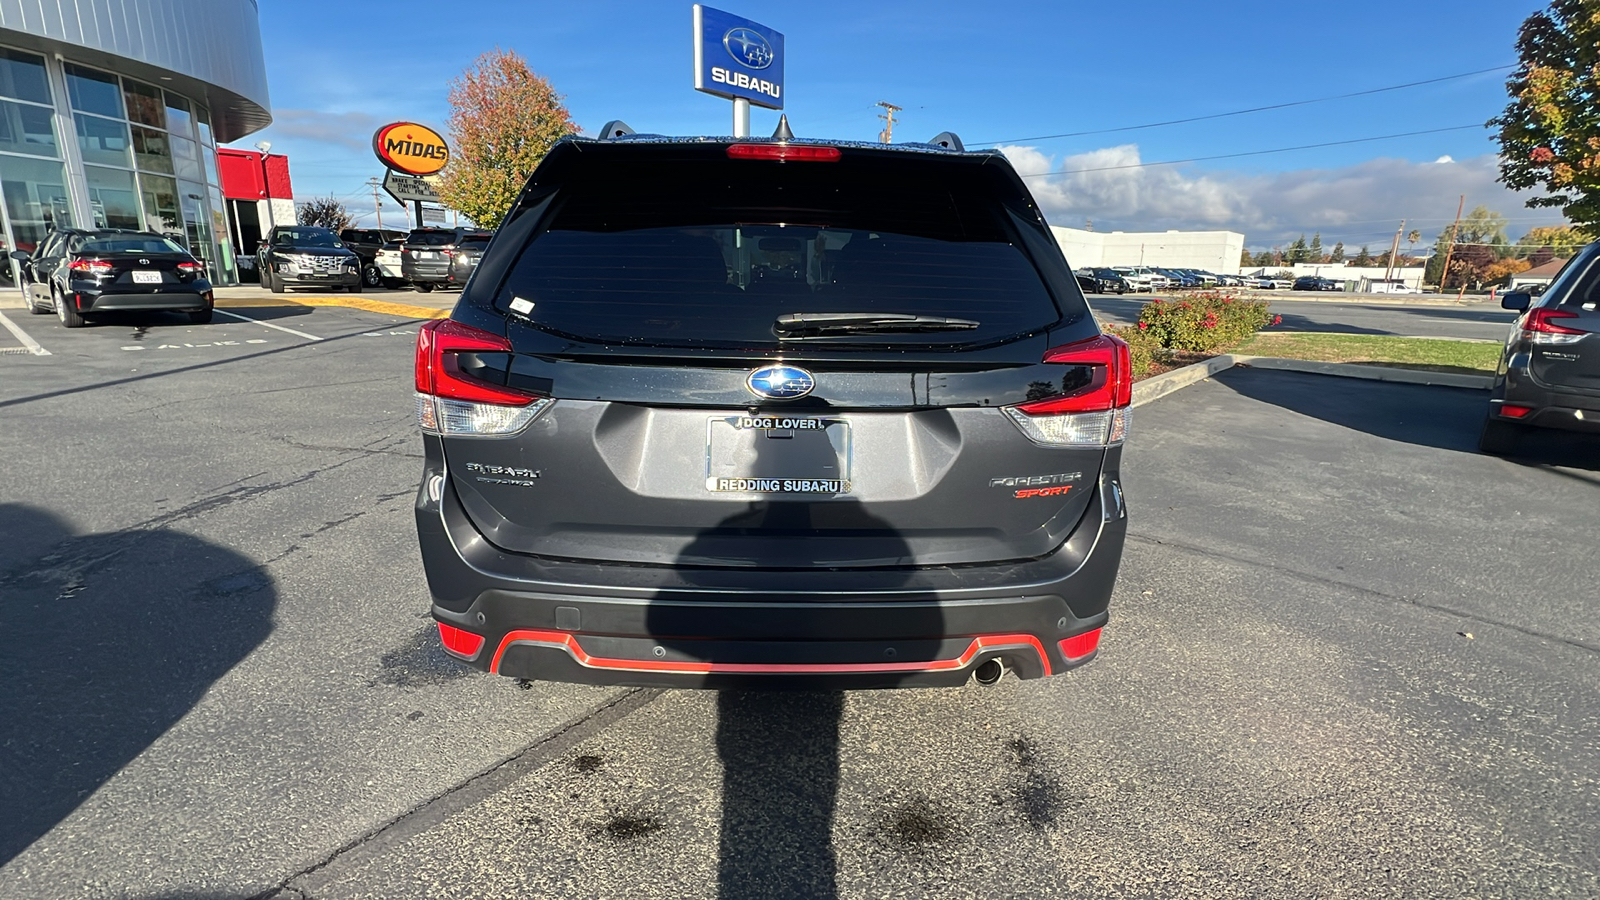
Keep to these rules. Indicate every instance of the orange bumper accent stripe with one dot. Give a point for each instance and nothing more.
(569, 643)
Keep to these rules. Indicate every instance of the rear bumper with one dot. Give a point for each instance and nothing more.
(1560, 408)
(131, 301)
(674, 627)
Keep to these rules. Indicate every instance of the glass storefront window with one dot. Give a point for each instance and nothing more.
(186, 158)
(226, 267)
(209, 157)
(151, 150)
(25, 128)
(202, 117)
(103, 141)
(180, 121)
(160, 197)
(36, 199)
(197, 223)
(145, 106)
(94, 92)
(113, 198)
(22, 76)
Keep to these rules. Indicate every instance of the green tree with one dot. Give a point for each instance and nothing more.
(1298, 252)
(1549, 134)
(1316, 248)
(1337, 256)
(325, 212)
(1244, 258)
(1364, 258)
(503, 120)
(1264, 258)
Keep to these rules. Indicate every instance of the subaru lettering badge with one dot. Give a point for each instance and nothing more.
(780, 382)
(748, 48)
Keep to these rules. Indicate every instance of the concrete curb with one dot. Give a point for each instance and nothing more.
(1152, 389)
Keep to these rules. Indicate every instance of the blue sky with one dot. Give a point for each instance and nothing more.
(993, 73)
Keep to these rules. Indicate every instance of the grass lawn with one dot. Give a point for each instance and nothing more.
(1465, 357)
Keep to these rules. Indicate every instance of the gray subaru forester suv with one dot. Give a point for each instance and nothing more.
(728, 412)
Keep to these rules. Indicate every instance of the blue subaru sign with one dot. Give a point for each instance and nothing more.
(737, 58)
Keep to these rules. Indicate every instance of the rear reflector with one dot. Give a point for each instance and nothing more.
(451, 402)
(1080, 645)
(1093, 415)
(461, 643)
(1512, 411)
(784, 152)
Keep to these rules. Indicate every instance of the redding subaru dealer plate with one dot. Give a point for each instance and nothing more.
(778, 455)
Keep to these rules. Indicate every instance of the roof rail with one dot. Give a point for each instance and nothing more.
(614, 129)
(949, 141)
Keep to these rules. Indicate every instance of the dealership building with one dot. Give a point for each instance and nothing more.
(111, 112)
(1212, 251)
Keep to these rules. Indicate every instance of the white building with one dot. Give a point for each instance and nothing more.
(1356, 278)
(1212, 251)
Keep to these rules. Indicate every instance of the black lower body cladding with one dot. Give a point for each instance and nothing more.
(575, 621)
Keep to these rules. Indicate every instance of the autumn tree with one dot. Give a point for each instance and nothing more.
(503, 120)
(1549, 135)
(1503, 269)
(1562, 240)
(1482, 227)
(326, 212)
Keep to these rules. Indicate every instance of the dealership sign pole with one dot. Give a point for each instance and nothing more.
(737, 59)
(409, 149)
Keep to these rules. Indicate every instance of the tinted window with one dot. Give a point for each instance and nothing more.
(716, 251)
(22, 76)
(431, 238)
(133, 243)
(476, 244)
(306, 237)
(94, 92)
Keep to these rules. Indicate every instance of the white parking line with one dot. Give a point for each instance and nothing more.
(30, 343)
(234, 315)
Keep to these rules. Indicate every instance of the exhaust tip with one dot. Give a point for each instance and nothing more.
(989, 671)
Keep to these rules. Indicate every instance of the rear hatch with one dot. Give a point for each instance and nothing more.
(426, 255)
(870, 358)
(135, 264)
(1565, 336)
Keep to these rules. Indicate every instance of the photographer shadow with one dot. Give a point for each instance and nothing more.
(111, 639)
(778, 734)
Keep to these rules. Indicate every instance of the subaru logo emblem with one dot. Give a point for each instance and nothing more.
(780, 382)
(748, 48)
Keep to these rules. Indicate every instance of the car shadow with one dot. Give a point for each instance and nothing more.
(1445, 418)
(110, 640)
(1298, 323)
(779, 749)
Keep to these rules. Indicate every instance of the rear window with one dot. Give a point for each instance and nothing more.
(712, 252)
(474, 244)
(307, 237)
(431, 238)
(130, 245)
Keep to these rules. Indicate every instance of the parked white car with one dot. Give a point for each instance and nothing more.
(1143, 278)
(1390, 286)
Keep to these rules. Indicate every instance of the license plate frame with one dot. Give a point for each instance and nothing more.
(775, 454)
(146, 276)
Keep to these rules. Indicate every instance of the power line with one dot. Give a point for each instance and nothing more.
(1253, 109)
(1175, 162)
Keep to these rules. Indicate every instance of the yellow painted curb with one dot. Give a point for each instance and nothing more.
(403, 310)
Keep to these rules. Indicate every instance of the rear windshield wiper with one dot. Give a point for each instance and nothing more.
(825, 323)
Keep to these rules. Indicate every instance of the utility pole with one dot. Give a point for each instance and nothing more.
(1444, 273)
(1394, 250)
(889, 109)
(376, 203)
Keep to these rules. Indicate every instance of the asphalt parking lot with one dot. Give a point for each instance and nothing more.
(1349, 657)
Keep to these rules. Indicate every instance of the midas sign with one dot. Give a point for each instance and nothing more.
(411, 148)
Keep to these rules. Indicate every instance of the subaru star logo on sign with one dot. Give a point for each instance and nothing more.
(780, 382)
(737, 58)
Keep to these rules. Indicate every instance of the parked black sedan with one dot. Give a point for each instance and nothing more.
(1105, 281)
(79, 273)
(1549, 372)
(1317, 283)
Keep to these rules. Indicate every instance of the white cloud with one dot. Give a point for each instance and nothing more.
(1444, 160)
(1357, 204)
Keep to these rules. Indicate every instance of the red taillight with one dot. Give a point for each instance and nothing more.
(1080, 645)
(1110, 385)
(1540, 320)
(439, 374)
(1512, 411)
(189, 268)
(95, 267)
(461, 643)
(784, 152)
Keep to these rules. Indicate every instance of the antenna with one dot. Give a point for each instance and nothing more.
(889, 109)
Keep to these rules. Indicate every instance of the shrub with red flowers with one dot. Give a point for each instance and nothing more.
(1208, 322)
(1175, 332)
